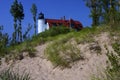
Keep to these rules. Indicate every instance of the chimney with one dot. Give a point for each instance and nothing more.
(63, 18)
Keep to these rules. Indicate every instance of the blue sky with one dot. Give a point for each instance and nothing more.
(56, 9)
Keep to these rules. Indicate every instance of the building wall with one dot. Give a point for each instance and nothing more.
(42, 26)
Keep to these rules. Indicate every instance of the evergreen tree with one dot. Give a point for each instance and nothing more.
(34, 12)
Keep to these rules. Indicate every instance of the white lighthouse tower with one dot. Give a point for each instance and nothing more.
(41, 23)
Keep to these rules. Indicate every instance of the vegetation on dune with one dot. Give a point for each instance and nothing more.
(113, 71)
(63, 50)
(62, 53)
(4, 38)
(54, 31)
(11, 75)
(50, 35)
(59, 35)
(16, 51)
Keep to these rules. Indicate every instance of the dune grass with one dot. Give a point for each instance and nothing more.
(10, 75)
(62, 53)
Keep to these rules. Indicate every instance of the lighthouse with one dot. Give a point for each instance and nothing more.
(41, 23)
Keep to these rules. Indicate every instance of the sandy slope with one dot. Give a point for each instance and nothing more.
(42, 69)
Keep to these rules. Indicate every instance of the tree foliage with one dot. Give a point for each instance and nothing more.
(25, 37)
(17, 12)
(34, 13)
(104, 11)
(20, 18)
(4, 39)
(95, 9)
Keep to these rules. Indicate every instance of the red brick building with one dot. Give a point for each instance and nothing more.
(44, 24)
(67, 23)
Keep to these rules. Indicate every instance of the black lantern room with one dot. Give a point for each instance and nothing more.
(41, 16)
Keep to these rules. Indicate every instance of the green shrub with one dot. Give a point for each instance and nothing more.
(10, 75)
(54, 31)
(85, 35)
(16, 51)
(49, 35)
(31, 51)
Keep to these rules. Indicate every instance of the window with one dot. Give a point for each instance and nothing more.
(60, 24)
(72, 25)
(54, 24)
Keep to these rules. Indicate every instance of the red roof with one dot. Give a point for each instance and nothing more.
(68, 23)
